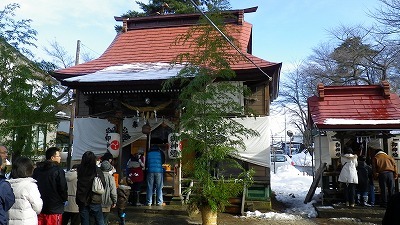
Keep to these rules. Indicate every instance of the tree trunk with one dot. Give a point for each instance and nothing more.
(208, 216)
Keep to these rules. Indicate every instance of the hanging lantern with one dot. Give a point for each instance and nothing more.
(113, 144)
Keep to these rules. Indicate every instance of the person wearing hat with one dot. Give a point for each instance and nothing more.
(348, 176)
(109, 198)
(110, 158)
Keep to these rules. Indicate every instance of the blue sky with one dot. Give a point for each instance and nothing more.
(283, 30)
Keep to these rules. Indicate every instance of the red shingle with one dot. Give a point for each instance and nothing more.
(157, 45)
(366, 106)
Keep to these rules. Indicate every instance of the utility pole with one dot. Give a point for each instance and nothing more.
(72, 117)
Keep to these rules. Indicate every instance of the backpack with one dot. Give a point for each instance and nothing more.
(135, 175)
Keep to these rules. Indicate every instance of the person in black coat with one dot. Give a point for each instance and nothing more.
(391, 216)
(89, 203)
(52, 186)
(7, 198)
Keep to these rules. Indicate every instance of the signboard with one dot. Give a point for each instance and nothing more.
(174, 146)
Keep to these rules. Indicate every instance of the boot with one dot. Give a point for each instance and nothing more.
(358, 199)
(122, 219)
(365, 201)
(137, 198)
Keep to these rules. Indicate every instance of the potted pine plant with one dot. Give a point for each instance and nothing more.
(207, 123)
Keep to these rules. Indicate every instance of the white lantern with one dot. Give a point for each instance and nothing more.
(113, 144)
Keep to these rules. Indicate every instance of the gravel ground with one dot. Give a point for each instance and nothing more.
(140, 218)
(228, 219)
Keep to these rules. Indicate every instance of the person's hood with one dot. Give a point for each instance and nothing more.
(71, 175)
(22, 180)
(46, 165)
(350, 156)
(380, 152)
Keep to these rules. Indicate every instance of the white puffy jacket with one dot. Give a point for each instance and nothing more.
(28, 203)
(348, 174)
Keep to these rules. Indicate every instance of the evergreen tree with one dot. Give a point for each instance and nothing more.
(28, 95)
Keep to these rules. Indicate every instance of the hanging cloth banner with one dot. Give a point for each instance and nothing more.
(113, 143)
(174, 146)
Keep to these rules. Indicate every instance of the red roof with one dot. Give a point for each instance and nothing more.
(151, 39)
(354, 107)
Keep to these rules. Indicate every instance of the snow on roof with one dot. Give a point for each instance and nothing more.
(333, 121)
(129, 72)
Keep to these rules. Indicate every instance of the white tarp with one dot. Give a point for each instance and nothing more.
(258, 147)
(90, 133)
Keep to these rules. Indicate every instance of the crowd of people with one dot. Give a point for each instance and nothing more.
(44, 194)
(358, 175)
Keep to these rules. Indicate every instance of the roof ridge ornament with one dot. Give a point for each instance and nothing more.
(321, 91)
(386, 89)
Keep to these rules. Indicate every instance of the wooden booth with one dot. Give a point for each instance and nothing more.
(364, 117)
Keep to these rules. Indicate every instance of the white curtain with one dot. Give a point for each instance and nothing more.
(90, 133)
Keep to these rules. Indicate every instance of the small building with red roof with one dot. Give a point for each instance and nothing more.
(363, 117)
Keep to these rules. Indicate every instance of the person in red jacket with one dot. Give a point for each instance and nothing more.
(384, 168)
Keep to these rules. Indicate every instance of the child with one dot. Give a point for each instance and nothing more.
(123, 192)
(363, 181)
(7, 197)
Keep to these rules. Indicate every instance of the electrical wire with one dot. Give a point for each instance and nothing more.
(229, 41)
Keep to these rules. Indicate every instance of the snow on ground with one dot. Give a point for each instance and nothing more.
(291, 187)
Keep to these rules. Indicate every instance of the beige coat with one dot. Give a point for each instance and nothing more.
(110, 195)
(71, 177)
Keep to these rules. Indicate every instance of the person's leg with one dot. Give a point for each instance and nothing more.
(106, 215)
(75, 219)
(53, 219)
(66, 217)
(352, 193)
(149, 189)
(390, 184)
(92, 221)
(84, 215)
(371, 196)
(159, 186)
(364, 199)
(41, 219)
(95, 211)
(382, 187)
(346, 194)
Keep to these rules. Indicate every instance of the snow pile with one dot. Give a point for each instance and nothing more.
(290, 187)
(272, 215)
(302, 159)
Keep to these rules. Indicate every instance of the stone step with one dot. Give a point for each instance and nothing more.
(365, 214)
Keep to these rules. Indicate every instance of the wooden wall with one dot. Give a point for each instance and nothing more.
(260, 100)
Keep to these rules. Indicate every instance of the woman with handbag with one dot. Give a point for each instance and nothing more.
(88, 201)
